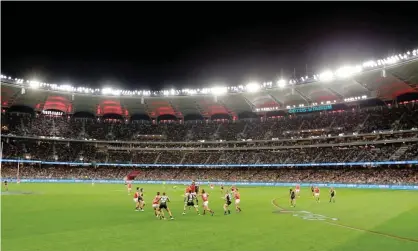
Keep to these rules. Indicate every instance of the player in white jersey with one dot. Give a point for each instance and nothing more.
(163, 205)
(190, 202)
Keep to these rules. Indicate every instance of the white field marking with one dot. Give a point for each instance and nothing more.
(356, 229)
(352, 228)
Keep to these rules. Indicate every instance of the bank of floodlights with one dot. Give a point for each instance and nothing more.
(325, 76)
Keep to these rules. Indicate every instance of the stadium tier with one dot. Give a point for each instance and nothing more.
(365, 120)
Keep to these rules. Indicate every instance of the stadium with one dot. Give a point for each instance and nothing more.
(71, 151)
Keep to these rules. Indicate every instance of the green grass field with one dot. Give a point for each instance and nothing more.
(70, 217)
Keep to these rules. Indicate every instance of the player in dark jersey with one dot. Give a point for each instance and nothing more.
(190, 202)
(227, 203)
(6, 186)
(332, 194)
(292, 194)
(312, 190)
(163, 200)
(197, 193)
(222, 189)
(141, 199)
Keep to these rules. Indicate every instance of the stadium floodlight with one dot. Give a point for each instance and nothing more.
(110, 91)
(252, 87)
(218, 90)
(326, 76)
(34, 84)
(347, 71)
(281, 83)
(369, 64)
(107, 91)
(65, 88)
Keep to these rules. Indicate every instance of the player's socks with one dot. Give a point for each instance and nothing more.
(229, 212)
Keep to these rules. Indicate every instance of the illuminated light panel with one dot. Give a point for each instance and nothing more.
(326, 76)
(218, 90)
(253, 87)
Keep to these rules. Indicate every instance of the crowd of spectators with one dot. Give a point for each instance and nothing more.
(93, 152)
(355, 135)
(355, 120)
(357, 175)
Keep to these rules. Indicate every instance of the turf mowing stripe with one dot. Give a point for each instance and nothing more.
(273, 202)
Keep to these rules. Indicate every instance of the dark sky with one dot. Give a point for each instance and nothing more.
(190, 44)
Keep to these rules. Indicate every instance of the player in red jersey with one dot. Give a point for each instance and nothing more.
(316, 194)
(297, 190)
(155, 203)
(205, 199)
(237, 200)
(193, 188)
(129, 185)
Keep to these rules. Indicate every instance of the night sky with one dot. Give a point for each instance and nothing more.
(191, 44)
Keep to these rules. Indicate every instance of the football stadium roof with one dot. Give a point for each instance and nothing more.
(383, 79)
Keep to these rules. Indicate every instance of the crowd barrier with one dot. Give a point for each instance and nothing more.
(407, 162)
(337, 185)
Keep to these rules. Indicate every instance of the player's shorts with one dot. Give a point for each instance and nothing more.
(155, 205)
(193, 193)
(297, 190)
(292, 197)
(190, 204)
(205, 203)
(237, 201)
(316, 194)
(228, 203)
(332, 195)
(163, 206)
(135, 200)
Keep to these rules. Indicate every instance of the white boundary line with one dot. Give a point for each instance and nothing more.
(358, 229)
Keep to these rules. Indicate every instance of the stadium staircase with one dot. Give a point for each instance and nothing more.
(201, 110)
(332, 123)
(176, 110)
(396, 123)
(182, 159)
(22, 127)
(157, 158)
(318, 156)
(301, 125)
(398, 153)
(360, 126)
(207, 160)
